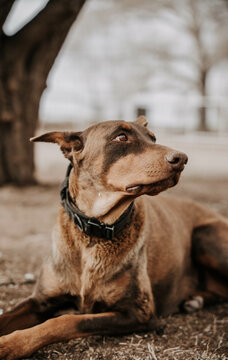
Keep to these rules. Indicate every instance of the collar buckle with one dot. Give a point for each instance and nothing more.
(105, 230)
(110, 232)
(78, 222)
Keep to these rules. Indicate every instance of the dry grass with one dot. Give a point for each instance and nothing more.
(187, 337)
(26, 219)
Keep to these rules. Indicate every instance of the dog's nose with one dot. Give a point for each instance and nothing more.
(176, 159)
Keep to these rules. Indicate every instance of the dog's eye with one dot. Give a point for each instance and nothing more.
(122, 138)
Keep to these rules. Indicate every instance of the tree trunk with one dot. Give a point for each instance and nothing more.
(19, 103)
(202, 110)
(26, 59)
(203, 119)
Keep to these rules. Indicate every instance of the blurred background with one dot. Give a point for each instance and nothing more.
(165, 59)
(67, 64)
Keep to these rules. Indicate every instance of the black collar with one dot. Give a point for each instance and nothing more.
(91, 226)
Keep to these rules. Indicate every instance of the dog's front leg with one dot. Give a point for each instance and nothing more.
(33, 311)
(22, 343)
(22, 316)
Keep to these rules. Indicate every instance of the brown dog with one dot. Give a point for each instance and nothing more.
(119, 258)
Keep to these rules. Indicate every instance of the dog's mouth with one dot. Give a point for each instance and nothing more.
(155, 187)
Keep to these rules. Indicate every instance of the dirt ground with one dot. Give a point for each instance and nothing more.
(27, 216)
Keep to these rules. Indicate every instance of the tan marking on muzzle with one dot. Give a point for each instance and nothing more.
(145, 168)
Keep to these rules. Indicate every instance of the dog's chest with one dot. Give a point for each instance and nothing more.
(101, 282)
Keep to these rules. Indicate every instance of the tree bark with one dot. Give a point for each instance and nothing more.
(25, 61)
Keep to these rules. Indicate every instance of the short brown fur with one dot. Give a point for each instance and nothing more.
(170, 252)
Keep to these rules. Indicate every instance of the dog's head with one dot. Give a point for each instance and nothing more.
(119, 156)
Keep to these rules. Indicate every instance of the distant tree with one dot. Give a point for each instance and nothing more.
(25, 61)
(205, 23)
(125, 70)
(147, 60)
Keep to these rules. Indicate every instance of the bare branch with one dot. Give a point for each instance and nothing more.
(5, 7)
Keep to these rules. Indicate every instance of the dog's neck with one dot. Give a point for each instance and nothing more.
(105, 206)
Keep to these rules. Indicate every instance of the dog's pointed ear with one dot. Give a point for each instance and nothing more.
(68, 141)
(142, 121)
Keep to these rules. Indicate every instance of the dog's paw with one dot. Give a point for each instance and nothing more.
(5, 349)
(9, 347)
(194, 304)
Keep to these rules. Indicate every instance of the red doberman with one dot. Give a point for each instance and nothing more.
(121, 255)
